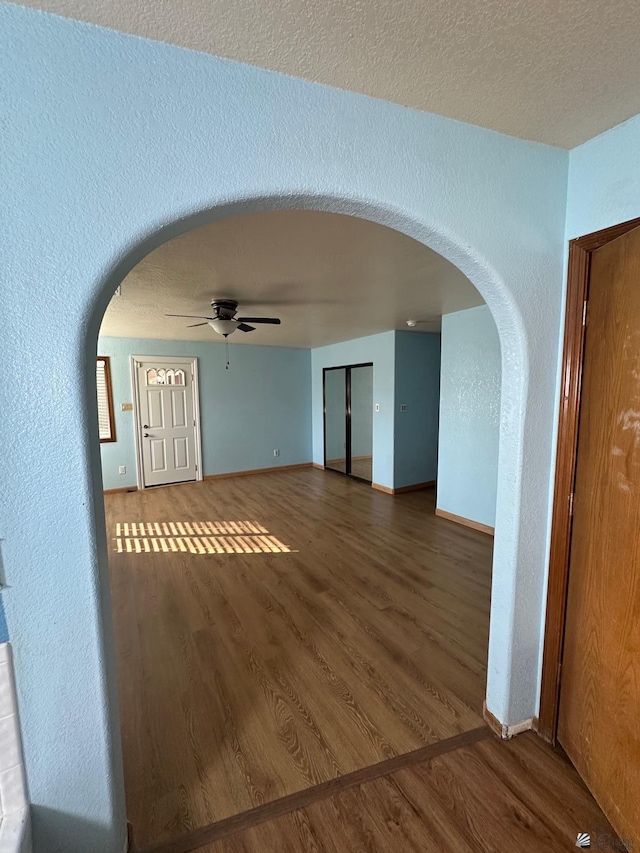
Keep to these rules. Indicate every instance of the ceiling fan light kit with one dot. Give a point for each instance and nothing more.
(224, 320)
(222, 326)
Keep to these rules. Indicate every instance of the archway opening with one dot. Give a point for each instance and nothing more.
(186, 630)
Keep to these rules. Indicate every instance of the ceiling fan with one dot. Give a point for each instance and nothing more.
(224, 320)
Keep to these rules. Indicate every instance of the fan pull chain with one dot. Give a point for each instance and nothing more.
(226, 351)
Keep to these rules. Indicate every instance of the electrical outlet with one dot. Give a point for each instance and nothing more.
(377, 407)
(276, 453)
(403, 407)
(122, 469)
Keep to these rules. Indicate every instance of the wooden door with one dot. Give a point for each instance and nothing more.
(599, 713)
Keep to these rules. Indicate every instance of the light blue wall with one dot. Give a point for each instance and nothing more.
(604, 180)
(469, 415)
(406, 369)
(379, 349)
(417, 384)
(116, 144)
(262, 403)
(4, 631)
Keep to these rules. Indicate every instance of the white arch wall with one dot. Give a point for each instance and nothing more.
(106, 140)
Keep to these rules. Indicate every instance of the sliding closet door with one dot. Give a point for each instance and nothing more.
(348, 420)
(335, 421)
(361, 397)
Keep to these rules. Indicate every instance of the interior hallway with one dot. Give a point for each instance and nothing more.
(343, 627)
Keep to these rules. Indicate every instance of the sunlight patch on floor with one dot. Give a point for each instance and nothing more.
(196, 537)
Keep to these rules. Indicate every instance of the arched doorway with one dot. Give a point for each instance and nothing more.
(243, 140)
(195, 633)
(365, 211)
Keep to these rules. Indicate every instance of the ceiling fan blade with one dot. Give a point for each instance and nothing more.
(193, 325)
(195, 316)
(273, 320)
(244, 328)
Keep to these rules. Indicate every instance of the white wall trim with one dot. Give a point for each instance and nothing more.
(15, 835)
(192, 363)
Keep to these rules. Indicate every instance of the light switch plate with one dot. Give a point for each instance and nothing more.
(127, 407)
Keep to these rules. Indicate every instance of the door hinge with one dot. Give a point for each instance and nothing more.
(571, 504)
(585, 305)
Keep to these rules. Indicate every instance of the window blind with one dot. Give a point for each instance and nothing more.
(104, 409)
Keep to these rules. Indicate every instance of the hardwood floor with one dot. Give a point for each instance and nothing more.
(489, 797)
(277, 631)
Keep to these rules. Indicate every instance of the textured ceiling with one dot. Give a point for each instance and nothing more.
(556, 71)
(328, 277)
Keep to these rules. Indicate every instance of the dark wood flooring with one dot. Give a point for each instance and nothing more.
(277, 631)
(489, 797)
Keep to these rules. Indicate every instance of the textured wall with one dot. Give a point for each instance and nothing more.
(417, 384)
(380, 350)
(262, 403)
(604, 180)
(115, 144)
(469, 415)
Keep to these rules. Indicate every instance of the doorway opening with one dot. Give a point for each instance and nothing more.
(348, 420)
(276, 626)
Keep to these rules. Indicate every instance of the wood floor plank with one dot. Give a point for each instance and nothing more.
(266, 813)
(356, 633)
(482, 797)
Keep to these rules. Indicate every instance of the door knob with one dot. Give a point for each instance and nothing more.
(146, 435)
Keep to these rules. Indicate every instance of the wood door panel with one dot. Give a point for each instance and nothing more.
(599, 719)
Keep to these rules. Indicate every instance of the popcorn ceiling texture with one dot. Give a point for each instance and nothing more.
(112, 145)
(555, 71)
(330, 278)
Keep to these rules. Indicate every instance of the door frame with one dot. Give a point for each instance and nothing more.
(580, 251)
(347, 408)
(192, 364)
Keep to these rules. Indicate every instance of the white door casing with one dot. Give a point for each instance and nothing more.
(167, 420)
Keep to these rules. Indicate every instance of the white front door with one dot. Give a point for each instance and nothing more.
(167, 420)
